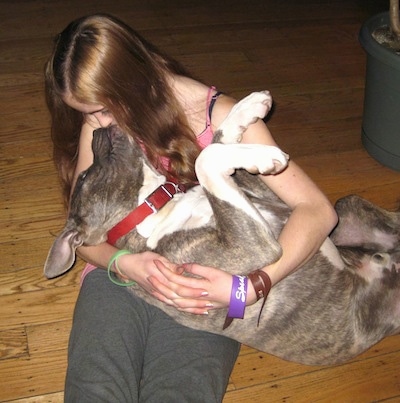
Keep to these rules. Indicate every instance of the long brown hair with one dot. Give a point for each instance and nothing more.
(100, 60)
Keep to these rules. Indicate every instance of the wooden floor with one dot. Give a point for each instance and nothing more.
(305, 51)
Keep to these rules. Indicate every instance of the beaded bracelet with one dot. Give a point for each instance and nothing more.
(237, 304)
(114, 262)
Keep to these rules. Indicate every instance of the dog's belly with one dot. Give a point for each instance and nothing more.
(276, 222)
(192, 210)
(188, 211)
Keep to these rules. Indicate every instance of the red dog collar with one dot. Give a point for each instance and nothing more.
(154, 202)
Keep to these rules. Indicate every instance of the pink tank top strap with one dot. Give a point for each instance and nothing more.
(206, 136)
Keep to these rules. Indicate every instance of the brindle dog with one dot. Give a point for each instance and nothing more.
(344, 300)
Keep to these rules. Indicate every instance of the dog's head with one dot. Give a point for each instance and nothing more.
(380, 302)
(103, 195)
(368, 239)
(376, 288)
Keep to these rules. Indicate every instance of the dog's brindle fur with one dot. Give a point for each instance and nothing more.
(344, 300)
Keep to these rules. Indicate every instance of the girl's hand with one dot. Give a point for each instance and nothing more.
(144, 268)
(140, 266)
(209, 290)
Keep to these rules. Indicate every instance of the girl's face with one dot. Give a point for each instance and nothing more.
(96, 115)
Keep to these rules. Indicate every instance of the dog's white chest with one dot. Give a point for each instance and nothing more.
(185, 211)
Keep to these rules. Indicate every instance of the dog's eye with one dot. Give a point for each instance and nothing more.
(378, 258)
(381, 259)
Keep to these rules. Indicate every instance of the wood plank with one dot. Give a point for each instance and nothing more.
(13, 343)
(342, 384)
(20, 167)
(38, 375)
(53, 16)
(42, 205)
(18, 280)
(47, 398)
(23, 57)
(354, 172)
(38, 145)
(37, 307)
(18, 100)
(20, 230)
(48, 337)
(254, 368)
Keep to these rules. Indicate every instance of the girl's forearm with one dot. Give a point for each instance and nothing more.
(98, 255)
(305, 231)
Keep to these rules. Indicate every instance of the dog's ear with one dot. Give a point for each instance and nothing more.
(61, 256)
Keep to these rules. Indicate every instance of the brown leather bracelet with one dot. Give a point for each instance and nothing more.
(262, 286)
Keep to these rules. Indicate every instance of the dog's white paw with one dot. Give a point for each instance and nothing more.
(246, 112)
(267, 160)
(256, 105)
(225, 158)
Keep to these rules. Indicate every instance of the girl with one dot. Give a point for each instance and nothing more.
(101, 72)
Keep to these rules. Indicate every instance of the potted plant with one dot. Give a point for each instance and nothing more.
(380, 38)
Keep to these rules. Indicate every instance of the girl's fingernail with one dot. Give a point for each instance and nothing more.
(205, 313)
(204, 293)
(210, 305)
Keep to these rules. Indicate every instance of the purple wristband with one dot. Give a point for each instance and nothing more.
(237, 303)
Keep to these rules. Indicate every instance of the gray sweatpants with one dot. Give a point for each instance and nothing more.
(124, 350)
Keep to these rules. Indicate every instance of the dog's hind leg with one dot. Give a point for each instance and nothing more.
(243, 114)
(217, 163)
(239, 224)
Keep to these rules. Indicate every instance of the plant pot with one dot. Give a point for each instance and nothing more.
(381, 117)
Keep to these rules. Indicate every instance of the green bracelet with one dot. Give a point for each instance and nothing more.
(114, 260)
